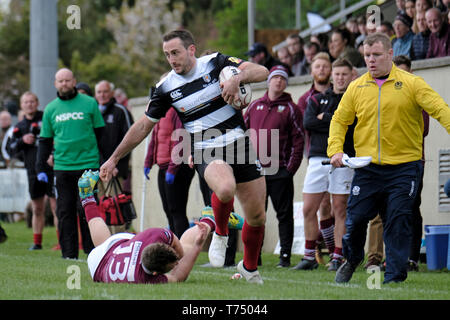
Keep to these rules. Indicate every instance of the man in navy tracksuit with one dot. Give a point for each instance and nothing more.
(276, 110)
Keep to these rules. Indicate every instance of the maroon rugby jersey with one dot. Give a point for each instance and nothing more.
(122, 262)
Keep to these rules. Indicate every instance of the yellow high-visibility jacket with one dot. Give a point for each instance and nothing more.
(390, 123)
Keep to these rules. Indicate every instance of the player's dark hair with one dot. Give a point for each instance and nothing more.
(184, 35)
(342, 62)
(157, 257)
(402, 59)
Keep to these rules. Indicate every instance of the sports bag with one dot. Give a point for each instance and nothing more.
(116, 209)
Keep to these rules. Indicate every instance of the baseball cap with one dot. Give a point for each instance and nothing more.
(278, 70)
(255, 49)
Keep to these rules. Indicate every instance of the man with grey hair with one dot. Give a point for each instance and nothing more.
(117, 122)
(440, 34)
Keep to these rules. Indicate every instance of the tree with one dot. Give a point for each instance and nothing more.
(14, 51)
(137, 33)
(231, 24)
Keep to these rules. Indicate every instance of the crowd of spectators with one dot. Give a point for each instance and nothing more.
(420, 30)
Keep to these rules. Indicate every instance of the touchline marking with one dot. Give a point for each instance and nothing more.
(329, 283)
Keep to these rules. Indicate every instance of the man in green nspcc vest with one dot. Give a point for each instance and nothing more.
(71, 125)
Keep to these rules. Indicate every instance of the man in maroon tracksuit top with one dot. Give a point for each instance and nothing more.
(276, 111)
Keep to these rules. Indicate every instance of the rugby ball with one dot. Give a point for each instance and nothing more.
(245, 91)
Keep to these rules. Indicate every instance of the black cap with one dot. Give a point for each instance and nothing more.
(255, 49)
(403, 17)
(84, 86)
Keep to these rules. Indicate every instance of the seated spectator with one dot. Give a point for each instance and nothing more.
(410, 10)
(440, 34)
(400, 5)
(402, 28)
(295, 47)
(322, 40)
(388, 29)
(259, 54)
(284, 56)
(352, 26)
(342, 47)
(423, 5)
(443, 6)
(361, 21)
(311, 49)
(421, 40)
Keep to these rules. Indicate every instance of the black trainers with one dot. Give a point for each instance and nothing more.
(335, 264)
(306, 264)
(344, 273)
(35, 247)
(285, 261)
(413, 266)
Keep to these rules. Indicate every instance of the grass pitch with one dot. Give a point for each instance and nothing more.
(37, 275)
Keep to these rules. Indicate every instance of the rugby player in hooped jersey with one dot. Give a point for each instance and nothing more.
(202, 103)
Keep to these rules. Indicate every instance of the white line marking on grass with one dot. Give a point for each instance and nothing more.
(404, 287)
(278, 280)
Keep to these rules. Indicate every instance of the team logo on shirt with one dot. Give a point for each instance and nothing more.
(398, 85)
(207, 78)
(176, 94)
(356, 190)
(281, 108)
(235, 60)
(260, 107)
(69, 116)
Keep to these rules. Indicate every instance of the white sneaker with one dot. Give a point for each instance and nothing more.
(252, 277)
(217, 250)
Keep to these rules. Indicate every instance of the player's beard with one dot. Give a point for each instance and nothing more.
(322, 80)
(66, 93)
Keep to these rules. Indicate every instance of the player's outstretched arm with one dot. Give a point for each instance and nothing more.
(192, 246)
(137, 132)
(252, 72)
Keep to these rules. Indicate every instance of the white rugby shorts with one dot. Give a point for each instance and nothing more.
(97, 254)
(318, 178)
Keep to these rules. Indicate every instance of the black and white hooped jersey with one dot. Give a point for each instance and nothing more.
(196, 96)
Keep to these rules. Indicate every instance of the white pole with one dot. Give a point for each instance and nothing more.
(144, 184)
(251, 22)
(298, 10)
